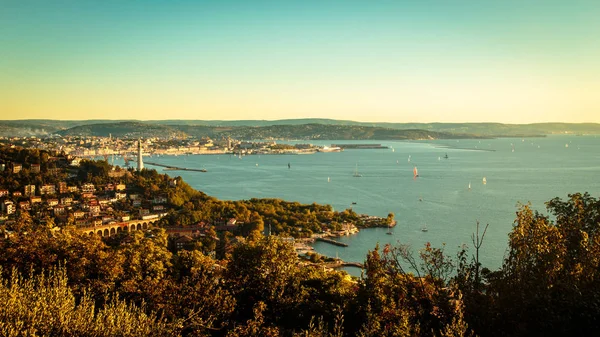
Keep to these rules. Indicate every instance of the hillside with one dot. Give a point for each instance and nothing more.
(313, 128)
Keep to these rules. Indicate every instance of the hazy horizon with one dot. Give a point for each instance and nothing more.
(508, 62)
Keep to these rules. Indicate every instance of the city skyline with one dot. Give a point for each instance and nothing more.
(390, 61)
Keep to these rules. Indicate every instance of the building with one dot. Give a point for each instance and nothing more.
(8, 207)
(140, 165)
(52, 202)
(47, 189)
(16, 168)
(88, 188)
(62, 187)
(59, 210)
(35, 168)
(29, 190)
(160, 199)
(3, 193)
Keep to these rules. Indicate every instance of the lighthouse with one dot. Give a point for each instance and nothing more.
(140, 165)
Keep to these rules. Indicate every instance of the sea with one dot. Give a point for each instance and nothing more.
(448, 198)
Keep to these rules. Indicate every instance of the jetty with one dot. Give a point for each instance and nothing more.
(360, 146)
(174, 168)
(333, 242)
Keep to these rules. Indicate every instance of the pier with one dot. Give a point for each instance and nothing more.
(175, 168)
(333, 242)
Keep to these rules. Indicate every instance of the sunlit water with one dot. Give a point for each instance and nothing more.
(538, 170)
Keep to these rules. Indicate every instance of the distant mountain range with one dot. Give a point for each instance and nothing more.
(312, 128)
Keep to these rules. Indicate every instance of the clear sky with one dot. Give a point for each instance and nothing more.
(511, 61)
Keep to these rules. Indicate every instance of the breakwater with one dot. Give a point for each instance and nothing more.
(174, 168)
(333, 242)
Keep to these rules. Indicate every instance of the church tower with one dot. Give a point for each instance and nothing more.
(140, 159)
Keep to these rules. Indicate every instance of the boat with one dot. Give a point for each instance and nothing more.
(356, 174)
(446, 156)
(330, 149)
(409, 158)
(203, 170)
(469, 185)
(424, 228)
(484, 181)
(415, 172)
(328, 179)
(354, 203)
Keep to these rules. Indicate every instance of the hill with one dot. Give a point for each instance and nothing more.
(312, 128)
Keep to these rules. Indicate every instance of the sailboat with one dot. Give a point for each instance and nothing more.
(328, 179)
(469, 185)
(484, 181)
(415, 172)
(424, 228)
(356, 174)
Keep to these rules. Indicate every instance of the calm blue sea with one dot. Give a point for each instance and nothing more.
(537, 170)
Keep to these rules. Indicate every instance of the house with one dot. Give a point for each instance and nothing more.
(3, 193)
(29, 190)
(17, 194)
(81, 223)
(182, 242)
(192, 231)
(35, 200)
(52, 202)
(66, 200)
(120, 187)
(73, 189)
(47, 189)
(54, 170)
(144, 211)
(62, 187)
(16, 168)
(78, 214)
(120, 196)
(35, 168)
(94, 209)
(59, 210)
(88, 188)
(125, 218)
(230, 226)
(8, 207)
(156, 208)
(159, 199)
(24, 205)
(87, 195)
(137, 203)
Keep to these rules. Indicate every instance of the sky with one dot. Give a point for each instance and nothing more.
(509, 61)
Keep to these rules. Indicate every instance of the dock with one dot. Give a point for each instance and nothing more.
(333, 242)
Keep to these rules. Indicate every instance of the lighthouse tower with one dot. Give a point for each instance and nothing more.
(140, 163)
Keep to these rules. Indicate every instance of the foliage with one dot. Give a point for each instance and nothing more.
(44, 305)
